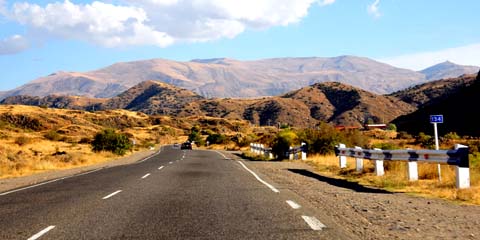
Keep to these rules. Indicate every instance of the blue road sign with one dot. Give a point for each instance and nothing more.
(436, 118)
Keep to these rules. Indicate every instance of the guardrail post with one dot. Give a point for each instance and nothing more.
(359, 162)
(262, 149)
(412, 168)
(304, 151)
(342, 160)
(379, 170)
(462, 170)
(251, 147)
(290, 154)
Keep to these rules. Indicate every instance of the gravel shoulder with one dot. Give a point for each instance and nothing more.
(371, 213)
(19, 182)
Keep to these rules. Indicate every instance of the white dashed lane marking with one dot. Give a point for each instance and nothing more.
(293, 204)
(314, 223)
(146, 175)
(160, 168)
(41, 233)
(112, 194)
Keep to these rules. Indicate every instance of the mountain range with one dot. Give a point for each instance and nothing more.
(225, 77)
(333, 102)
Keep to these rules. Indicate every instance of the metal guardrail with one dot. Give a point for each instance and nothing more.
(297, 152)
(457, 157)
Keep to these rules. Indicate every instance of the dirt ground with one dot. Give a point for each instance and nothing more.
(373, 213)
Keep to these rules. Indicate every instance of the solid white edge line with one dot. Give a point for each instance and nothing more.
(259, 179)
(155, 154)
(111, 194)
(47, 182)
(293, 204)
(146, 175)
(160, 168)
(221, 154)
(41, 233)
(314, 223)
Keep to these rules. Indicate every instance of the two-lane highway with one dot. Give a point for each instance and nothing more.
(176, 194)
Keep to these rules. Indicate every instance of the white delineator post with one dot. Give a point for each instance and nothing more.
(304, 151)
(359, 162)
(290, 154)
(412, 168)
(342, 160)
(462, 170)
(262, 150)
(379, 170)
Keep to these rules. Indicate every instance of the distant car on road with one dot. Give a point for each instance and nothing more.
(186, 145)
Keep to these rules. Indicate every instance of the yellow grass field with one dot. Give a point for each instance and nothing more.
(395, 178)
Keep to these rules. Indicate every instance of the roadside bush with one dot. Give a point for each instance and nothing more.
(425, 140)
(109, 140)
(404, 135)
(282, 142)
(216, 138)
(323, 139)
(195, 136)
(392, 127)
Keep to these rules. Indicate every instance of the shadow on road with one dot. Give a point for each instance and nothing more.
(339, 182)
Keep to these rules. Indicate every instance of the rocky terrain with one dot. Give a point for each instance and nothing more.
(328, 102)
(225, 77)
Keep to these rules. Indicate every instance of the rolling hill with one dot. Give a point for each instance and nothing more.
(454, 98)
(333, 102)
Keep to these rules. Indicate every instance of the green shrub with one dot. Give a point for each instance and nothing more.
(109, 140)
(392, 127)
(195, 136)
(53, 135)
(283, 141)
(216, 138)
(425, 140)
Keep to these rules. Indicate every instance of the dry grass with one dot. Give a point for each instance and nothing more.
(395, 178)
(61, 137)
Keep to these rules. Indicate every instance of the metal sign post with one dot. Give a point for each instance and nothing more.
(435, 119)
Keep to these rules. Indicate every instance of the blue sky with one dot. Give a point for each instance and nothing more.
(41, 37)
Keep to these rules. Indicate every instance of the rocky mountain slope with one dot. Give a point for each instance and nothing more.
(457, 104)
(226, 77)
(329, 102)
(431, 92)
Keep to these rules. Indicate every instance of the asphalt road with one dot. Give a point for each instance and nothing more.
(176, 194)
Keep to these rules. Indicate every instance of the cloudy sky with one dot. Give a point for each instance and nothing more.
(41, 37)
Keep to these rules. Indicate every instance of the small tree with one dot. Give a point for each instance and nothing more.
(109, 140)
(282, 142)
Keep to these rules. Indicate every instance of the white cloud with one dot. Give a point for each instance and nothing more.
(155, 22)
(13, 44)
(374, 10)
(464, 55)
(99, 23)
(326, 2)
